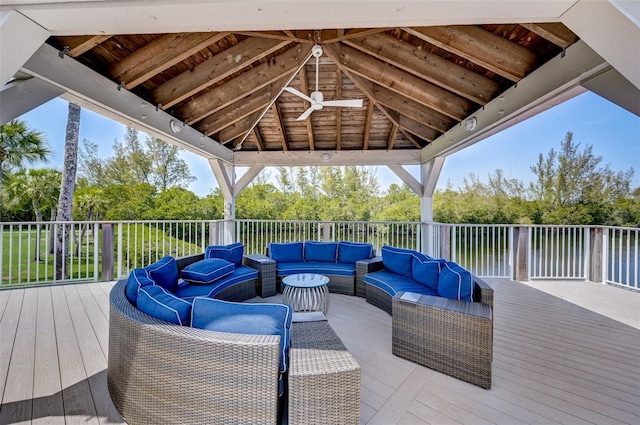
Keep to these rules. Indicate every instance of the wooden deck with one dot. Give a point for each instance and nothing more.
(554, 361)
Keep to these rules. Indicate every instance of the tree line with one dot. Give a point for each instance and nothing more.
(147, 180)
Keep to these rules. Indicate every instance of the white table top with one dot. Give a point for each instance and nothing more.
(305, 280)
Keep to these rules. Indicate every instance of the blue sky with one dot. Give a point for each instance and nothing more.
(613, 132)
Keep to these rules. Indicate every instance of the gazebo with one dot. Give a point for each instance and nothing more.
(230, 81)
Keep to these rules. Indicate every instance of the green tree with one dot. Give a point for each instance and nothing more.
(167, 168)
(19, 143)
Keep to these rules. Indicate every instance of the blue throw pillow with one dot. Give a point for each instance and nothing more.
(233, 253)
(286, 252)
(425, 272)
(320, 251)
(455, 282)
(350, 252)
(397, 260)
(164, 272)
(137, 279)
(162, 304)
(207, 271)
(245, 318)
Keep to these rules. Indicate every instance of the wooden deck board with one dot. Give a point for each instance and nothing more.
(554, 362)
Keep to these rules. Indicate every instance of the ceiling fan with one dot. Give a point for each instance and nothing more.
(316, 99)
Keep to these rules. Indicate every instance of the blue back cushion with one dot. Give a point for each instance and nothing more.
(425, 271)
(350, 252)
(320, 251)
(233, 253)
(286, 252)
(164, 272)
(245, 318)
(162, 304)
(207, 271)
(397, 260)
(137, 279)
(455, 282)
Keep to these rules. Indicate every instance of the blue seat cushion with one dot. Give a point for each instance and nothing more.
(162, 304)
(455, 282)
(207, 271)
(233, 253)
(350, 252)
(397, 260)
(188, 290)
(164, 272)
(320, 251)
(318, 267)
(393, 283)
(245, 318)
(137, 279)
(426, 271)
(286, 252)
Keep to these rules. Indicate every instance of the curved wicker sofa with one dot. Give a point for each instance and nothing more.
(150, 383)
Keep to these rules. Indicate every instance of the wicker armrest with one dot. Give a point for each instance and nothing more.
(183, 262)
(483, 293)
(363, 267)
(450, 336)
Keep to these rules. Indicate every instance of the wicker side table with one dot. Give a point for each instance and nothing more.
(266, 273)
(324, 377)
(450, 336)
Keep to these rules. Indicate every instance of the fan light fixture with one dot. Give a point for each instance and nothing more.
(176, 126)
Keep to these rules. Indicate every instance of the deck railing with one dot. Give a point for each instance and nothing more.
(53, 252)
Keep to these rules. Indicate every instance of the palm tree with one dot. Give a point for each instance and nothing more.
(67, 187)
(41, 186)
(19, 143)
(89, 203)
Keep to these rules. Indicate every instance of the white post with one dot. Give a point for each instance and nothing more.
(429, 174)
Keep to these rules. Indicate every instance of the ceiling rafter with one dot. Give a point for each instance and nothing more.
(238, 128)
(277, 117)
(304, 87)
(258, 137)
(481, 47)
(392, 136)
(554, 32)
(160, 54)
(80, 45)
(214, 70)
(339, 112)
(405, 84)
(236, 88)
(367, 126)
(429, 67)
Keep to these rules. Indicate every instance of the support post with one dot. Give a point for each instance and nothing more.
(107, 252)
(521, 242)
(596, 237)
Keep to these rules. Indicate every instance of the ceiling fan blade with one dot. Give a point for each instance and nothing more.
(305, 114)
(299, 94)
(350, 103)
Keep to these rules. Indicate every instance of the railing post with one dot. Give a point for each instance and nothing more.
(107, 252)
(445, 242)
(521, 260)
(595, 255)
(119, 245)
(326, 231)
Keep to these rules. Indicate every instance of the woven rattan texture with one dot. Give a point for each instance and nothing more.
(266, 273)
(362, 268)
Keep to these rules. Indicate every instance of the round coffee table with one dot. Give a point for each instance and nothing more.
(306, 292)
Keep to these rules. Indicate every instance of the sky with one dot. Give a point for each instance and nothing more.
(613, 132)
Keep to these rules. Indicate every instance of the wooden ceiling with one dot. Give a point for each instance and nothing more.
(416, 83)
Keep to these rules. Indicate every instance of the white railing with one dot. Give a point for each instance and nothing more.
(94, 251)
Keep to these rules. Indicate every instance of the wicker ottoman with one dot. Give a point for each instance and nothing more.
(324, 377)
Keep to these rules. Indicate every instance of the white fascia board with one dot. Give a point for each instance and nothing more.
(553, 83)
(99, 94)
(19, 38)
(333, 158)
(160, 16)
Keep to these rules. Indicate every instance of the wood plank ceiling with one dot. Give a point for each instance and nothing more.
(416, 83)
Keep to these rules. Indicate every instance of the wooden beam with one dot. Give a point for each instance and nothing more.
(84, 44)
(240, 109)
(258, 136)
(406, 84)
(278, 120)
(160, 54)
(339, 111)
(427, 66)
(354, 33)
(481, 47)
(250, 81)
(347, 157)
(392, 136)
(237, 129)
(214, 70)
(304, 87)
(273, 35)
(554, 32)
(409, 127)
(367, 126)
